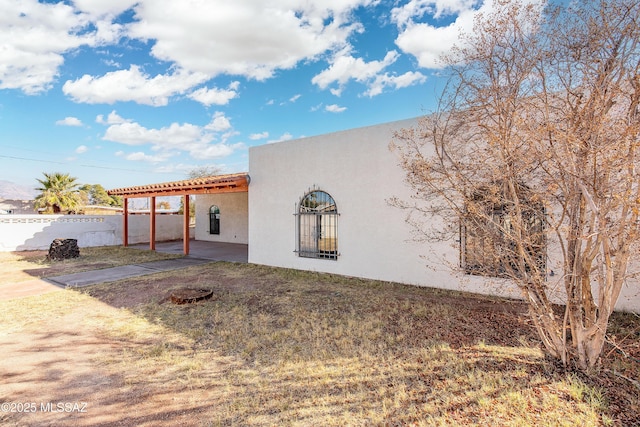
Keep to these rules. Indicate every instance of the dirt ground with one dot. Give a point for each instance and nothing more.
(62, 367)
(62, 370)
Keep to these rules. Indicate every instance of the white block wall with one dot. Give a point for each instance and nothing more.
(36, 232)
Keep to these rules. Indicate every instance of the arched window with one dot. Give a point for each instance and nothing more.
(214, 220)
(317, 226)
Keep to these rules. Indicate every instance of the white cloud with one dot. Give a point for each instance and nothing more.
(243, 37)
(140, 156)
(216, 151)
(429, 42)
(104, 7)
(216, 96)
(170, 137)
(35, 36)
(219, 122)
(69, 121)
(345, 67)
(111, 63)
(198, 141)
(434, 8)
(385, 80)
(284, 137)
(257, 136)
(202, 39)
(112, 119)
(131, 85)
(294, 98)
(334, 108)
(82, 149)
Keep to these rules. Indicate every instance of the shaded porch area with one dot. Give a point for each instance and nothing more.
(219, 184)
(215, 251)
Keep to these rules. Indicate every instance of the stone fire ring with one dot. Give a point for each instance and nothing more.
(190, 295)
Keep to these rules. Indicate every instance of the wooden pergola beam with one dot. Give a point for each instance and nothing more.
(152, 223)
(125, 226)
(235, 183)
(186, 223)
(235, 189)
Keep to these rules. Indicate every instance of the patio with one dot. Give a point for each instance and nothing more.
(217, 251)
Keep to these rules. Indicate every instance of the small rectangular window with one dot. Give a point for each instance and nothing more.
(214, 220)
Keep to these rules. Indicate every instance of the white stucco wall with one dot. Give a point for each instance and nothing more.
(36, 232)
(359, 171)
(234, 217)
(168, 227)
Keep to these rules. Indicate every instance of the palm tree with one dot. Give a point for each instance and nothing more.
(59, 192)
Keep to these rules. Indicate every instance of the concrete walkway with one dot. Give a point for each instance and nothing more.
(112, 274)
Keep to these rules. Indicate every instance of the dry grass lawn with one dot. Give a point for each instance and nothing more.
(281, 347)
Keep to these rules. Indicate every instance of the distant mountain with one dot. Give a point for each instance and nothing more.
(12, 191)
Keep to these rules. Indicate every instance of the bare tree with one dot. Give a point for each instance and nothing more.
(532, 156)
(203, 171)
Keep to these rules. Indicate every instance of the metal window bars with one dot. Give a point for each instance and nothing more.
(487, 245)
(317, 226)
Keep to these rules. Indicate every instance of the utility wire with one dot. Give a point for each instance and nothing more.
(83, 165)
(33, 160)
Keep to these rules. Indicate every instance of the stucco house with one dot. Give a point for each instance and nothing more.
(322, 204)
(16, 207)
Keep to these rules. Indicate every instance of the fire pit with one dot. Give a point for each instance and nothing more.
(190, 295)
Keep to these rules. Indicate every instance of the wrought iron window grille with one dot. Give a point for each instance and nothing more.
(317, 226)
(487, 243)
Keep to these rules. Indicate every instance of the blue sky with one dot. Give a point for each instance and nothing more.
(126, 92)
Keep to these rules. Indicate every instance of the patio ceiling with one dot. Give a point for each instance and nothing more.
(231, 183)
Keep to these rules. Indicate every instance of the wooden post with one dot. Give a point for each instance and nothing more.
(152, 223)
(125, 222)
(187, 220)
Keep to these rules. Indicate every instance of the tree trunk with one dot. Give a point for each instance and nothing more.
(548, 328)
(589, 344)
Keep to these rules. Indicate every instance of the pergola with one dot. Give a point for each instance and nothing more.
(231, 183)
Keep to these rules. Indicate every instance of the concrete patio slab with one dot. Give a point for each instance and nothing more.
(123, 272)
(216, 251)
